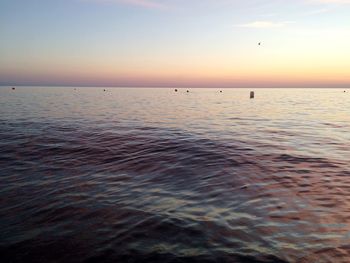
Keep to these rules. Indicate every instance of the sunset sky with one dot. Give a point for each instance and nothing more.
(198, 43)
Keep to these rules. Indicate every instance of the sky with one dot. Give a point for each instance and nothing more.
(175, 43)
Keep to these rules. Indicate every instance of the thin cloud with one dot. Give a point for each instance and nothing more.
(266, 24)
(331, 1)
(316, 12)
(144, 3)
(141, 3)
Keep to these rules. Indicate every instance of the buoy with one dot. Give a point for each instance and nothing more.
(13, 88)
(175, 90)
(187, 91)
(252, 94)
(220, 91)
(104, 90)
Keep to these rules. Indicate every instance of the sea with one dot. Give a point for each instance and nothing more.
(156, 175)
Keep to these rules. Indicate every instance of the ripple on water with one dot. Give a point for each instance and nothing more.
(101, 191)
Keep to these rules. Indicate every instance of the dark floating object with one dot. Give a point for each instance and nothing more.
(187, 91)
(220, 91)
(259, 43)
(344, 90)
(13, 88)
(175, 90)
(252, 95)
(104, 90)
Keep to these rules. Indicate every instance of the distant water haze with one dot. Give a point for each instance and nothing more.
(154, 175)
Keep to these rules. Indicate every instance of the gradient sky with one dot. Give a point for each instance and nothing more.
(198, 43)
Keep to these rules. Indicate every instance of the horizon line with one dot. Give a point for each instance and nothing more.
(172, 87)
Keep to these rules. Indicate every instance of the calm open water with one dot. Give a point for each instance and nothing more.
(150, 175)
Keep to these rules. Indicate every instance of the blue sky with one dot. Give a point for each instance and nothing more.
(175, 43)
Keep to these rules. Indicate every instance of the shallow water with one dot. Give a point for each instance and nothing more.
(150, 175)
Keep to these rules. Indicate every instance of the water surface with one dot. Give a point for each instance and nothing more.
(151, 175)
